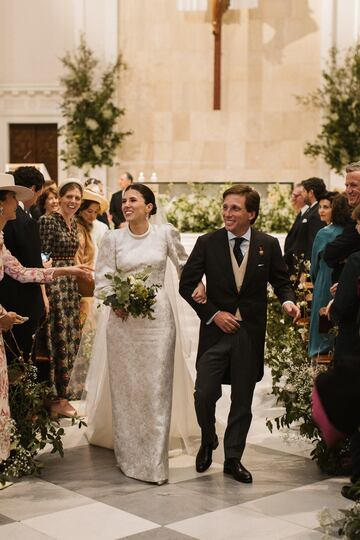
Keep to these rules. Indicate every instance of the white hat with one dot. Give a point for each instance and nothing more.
(71, 181)
(90, 195)
(7, 183)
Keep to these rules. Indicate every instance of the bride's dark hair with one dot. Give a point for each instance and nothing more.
(147, 194)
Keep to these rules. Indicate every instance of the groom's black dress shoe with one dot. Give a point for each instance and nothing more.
(237, 471)
(204, 455)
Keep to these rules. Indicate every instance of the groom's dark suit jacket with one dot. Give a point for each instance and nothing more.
(211, 256)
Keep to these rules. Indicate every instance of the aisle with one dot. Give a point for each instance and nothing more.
(85, 497)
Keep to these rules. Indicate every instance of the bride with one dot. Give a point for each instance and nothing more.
(140, 352)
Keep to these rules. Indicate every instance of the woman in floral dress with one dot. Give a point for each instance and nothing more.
(59, 238)
(9, 194)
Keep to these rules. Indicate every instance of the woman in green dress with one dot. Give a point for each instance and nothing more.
(335, 212)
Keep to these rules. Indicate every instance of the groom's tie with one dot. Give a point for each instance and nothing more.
(237, 250)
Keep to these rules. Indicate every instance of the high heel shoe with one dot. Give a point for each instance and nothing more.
(62, 408)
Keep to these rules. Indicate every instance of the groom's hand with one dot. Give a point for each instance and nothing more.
(227, 322)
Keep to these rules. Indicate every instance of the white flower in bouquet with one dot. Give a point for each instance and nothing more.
(130, 295)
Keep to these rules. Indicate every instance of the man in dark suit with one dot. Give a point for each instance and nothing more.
(116, 200)
(347, 346)
(311, 223)
(298, 202)
(348, 242)
(21, 237)
(238, 263)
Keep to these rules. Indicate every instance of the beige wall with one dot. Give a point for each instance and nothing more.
(269, 55)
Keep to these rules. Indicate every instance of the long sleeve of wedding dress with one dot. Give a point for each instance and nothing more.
(139, 361)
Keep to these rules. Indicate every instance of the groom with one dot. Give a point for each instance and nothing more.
(238, 263)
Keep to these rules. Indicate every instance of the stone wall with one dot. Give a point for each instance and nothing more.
(269, 55)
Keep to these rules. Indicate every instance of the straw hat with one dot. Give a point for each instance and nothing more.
(7, 183)
(71, 181)
(90, 195)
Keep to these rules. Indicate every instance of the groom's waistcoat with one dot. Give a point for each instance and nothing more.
(239, 273)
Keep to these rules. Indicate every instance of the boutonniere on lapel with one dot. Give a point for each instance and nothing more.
(261, 251)
(304, 220)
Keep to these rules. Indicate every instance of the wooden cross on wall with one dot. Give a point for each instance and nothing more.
(218, 8)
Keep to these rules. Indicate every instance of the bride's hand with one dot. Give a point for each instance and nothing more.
(199, 294)
(121, 313)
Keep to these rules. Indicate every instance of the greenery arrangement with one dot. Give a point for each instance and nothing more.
(343, 523)
(91, 130)
(130, 295)
(195, 212)
(32, 428)
(200, 213)
(293, 373)
(276, 213)
(338, 100)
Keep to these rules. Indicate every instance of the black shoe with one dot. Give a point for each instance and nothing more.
(237, 471)
(204, 455)
(350, 492)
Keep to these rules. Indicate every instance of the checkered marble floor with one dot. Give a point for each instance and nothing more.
(85, 497)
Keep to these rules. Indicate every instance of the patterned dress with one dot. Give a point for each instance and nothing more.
(140, 355)
(64, 317)
(13, 268)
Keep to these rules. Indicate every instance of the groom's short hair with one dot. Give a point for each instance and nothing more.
(252, 198)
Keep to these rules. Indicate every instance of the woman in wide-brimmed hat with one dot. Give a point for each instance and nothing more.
(92, 205)
(10, 194)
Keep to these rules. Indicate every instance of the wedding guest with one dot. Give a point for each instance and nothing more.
(34, 209)
(337, 251)
(21, 236)
(140, 350)
(48, 202)
(345, 311)
(334, 211)
(59, 237)
(299, 205)
(9, 195)
(116, 212)
(313, 189)
(93, 184)
(92, 205)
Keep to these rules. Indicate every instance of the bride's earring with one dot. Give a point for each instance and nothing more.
(1, 210)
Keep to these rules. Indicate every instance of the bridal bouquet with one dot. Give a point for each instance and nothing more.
(131, 295)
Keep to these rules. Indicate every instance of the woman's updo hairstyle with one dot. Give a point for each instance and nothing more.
(146, 192)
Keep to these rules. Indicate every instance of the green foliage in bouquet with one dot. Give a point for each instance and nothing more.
(338, 100)
(276, 213)
(32, 428)
(91, 130)
(130, 294)
(293, 374)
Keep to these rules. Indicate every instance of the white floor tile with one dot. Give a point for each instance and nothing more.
(307, 535)
(18, 531)
(302, 505)
(236, 523)
(96, 521)
(33, 497)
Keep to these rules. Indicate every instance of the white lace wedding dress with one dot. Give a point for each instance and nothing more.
(140, 359)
